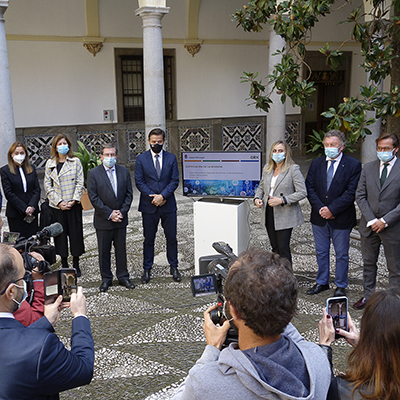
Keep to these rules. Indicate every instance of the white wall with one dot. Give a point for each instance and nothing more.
(61, 83)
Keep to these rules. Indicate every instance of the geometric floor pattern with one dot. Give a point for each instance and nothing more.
(147, 339)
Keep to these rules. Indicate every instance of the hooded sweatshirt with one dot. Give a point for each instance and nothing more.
(230, 374)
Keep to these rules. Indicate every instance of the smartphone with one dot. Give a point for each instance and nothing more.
(60, 282)
(337, 308)
(203, 285)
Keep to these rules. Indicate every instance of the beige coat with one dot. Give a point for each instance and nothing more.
(289, 184)
(67, 185)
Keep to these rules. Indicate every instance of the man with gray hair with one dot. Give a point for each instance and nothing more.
(331, 186)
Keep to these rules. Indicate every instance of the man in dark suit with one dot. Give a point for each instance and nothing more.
(110, 192)
(378, 196)
(34, 362)
(331, 185)
(157, 177)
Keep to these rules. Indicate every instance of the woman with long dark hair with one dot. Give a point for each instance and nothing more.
(374, 365)
(281, 188)
(63, 183)
(22, 191)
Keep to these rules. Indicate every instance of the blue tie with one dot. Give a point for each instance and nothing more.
(329, 174)
(158, 167)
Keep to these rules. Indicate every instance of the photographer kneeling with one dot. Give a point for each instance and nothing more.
(271, 359)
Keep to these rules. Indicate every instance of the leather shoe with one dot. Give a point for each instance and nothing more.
(360, 304)
(317, 288)
(339, 292)
(146, 276)
(127, 283)
(176, 275)
(104, 286)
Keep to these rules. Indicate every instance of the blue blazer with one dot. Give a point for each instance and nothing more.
(340, 196)
(147, 181)
(36, 365)
(102, 196)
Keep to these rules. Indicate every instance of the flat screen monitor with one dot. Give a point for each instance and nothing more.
(221, 173)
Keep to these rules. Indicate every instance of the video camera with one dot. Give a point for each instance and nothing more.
(212, 283)
(39, 244)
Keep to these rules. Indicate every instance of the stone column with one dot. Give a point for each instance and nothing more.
(276, 119)
(153, 65)
(7, 127)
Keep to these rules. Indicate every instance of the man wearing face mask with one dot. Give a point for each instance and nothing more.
(378, 196)
(110, 192)
(157, 177)
(331, 185)
(34, 362)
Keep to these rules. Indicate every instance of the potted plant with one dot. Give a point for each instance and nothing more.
(88, 160)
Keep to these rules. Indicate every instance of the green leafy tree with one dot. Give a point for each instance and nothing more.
(293, 20)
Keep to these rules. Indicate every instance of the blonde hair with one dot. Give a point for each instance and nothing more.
(53, 149)
(25, 163)
(287, 162)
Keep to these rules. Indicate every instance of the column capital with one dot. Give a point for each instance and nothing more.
(152, 11)
(3, 7)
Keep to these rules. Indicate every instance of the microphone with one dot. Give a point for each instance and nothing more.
(49, 231)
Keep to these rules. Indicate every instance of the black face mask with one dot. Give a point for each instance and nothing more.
(156, 147)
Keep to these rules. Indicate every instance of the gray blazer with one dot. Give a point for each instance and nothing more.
(377, 202)
(289, 184)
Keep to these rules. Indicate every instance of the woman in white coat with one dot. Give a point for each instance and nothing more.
(281, 188)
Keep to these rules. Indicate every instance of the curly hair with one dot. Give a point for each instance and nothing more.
(263, 289)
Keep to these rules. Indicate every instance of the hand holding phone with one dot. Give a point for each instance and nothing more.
(337, 308)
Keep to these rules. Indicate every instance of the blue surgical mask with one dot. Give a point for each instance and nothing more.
(63, 149)
(384, 156)
(109, 161)
(278, 157)
(24, 296)
(331, 152)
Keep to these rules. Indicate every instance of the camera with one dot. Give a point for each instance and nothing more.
(212, 284)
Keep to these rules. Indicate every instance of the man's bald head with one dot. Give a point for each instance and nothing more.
(9, 262)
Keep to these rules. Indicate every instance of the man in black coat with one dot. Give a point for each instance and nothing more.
(110, 192)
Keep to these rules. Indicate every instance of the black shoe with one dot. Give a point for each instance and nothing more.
(146, 276)
(176, 275)
(104, 286)
(317, 288)
(127, 283)
(360, 304)
(339, 292)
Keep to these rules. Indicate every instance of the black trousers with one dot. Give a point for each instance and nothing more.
(25, 230)
(105, 238)
(71, 221)
(280, 240)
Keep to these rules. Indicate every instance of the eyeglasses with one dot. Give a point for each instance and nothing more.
(384, 149)
(26, 278)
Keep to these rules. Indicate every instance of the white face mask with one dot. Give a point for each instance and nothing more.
(24, 296)
(19, 158)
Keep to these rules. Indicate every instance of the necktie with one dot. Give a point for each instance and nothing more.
(329, 174)
(384, 173)
(112, 180)
(158, 167)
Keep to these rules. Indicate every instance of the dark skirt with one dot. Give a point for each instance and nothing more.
(71, 221)
(19, 225)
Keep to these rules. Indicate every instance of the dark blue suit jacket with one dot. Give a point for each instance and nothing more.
(341, 195)
(36, 365)
(102, 196)
(147, 181)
